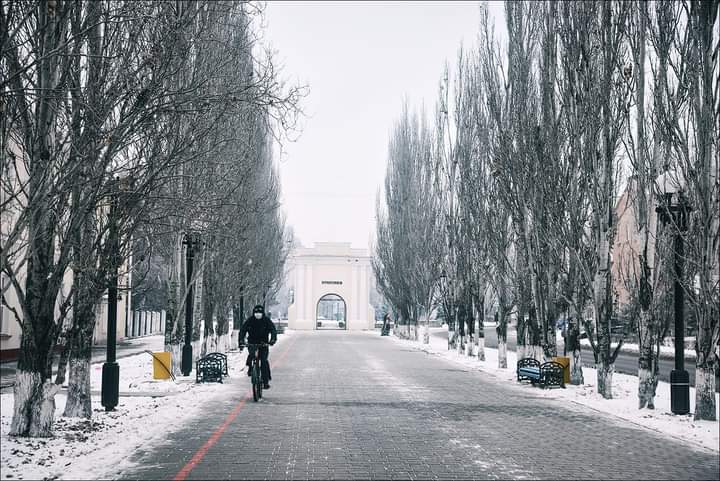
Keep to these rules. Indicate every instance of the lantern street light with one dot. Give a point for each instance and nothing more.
(673, 209)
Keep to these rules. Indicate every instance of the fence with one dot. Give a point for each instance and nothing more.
(145, 323)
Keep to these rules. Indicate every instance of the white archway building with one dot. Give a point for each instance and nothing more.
(330, 268)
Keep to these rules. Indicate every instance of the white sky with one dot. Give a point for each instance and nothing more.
(359, 59)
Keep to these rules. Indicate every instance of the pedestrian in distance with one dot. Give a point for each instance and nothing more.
(258, 328)
(386, 325)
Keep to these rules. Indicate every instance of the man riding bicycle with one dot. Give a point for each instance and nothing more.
(258, 327)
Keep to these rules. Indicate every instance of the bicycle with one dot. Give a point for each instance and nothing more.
(256, 372)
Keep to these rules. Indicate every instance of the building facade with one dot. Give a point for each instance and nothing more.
(327, 270)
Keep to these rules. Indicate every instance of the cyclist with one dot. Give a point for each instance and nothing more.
(258, 327)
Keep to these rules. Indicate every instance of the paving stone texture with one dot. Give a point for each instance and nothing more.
(349, 405)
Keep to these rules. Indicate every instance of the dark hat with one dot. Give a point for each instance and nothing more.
(258, 308)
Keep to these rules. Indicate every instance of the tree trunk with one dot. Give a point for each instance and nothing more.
(502, 354)
(521, 328)
(535, 349)
(481, 349)
(604, 379)
(705, 388)
(80, 338)
(501, 330)
(34, 392)
(648, 360)
(175, 351)
(79, 400)
(574, 349)
(34, 409)
(576, 372)
(63, 362)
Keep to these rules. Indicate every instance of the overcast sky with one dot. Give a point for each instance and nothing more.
(359, 59)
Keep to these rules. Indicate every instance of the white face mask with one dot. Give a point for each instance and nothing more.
(258, 315)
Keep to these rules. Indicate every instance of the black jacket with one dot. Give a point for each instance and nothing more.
(258, 330)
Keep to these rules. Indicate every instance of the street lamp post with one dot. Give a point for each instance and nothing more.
(110, 386)
(187, 352)
(674, 210)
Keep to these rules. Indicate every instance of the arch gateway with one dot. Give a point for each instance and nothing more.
(330, 271)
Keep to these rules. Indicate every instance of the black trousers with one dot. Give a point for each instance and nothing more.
(264, 363)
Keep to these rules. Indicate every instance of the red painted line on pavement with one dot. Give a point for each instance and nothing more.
(200, 454)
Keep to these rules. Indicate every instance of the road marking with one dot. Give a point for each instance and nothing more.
(200, 454)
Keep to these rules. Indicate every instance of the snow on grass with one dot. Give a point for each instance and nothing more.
(667, 351)
(623, 406)
(101, 447)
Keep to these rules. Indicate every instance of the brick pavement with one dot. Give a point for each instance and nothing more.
(357, 406)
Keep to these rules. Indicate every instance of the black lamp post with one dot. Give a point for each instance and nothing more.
(674, 210)
(110, 387)
(187, 352)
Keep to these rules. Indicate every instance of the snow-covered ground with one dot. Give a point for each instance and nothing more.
(623, 406)
(100, 447)
(665, 350)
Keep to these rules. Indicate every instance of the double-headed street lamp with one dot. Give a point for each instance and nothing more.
(673, 209)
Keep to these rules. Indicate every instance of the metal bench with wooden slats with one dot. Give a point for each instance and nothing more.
(546, 374)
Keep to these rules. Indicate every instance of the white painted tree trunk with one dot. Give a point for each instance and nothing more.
(210, 344)
(481, 349)
(426, 334)
(234, 337)
(460, 343)
(521, 351)
(196, 349)
(34, 405)
(224, 343)
(647, 381)
(175, 351)
(705, 394)
(79, 399)
(536, 352)
(502, 354)
(576, 372)
(469, 347)
(604, 380)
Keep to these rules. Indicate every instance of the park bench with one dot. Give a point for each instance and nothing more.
(211, 368)
(546, 374)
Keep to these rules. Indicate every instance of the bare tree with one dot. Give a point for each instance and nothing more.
(405, 261)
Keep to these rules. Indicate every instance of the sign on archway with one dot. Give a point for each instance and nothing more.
(330, 283)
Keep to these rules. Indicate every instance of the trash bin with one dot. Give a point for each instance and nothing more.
(565, 363)
(162, 365)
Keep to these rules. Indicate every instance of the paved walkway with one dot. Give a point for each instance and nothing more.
(357, 406)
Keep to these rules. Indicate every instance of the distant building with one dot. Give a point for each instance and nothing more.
(330, 271)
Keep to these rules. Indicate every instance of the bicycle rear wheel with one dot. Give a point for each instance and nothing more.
(256, 383)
